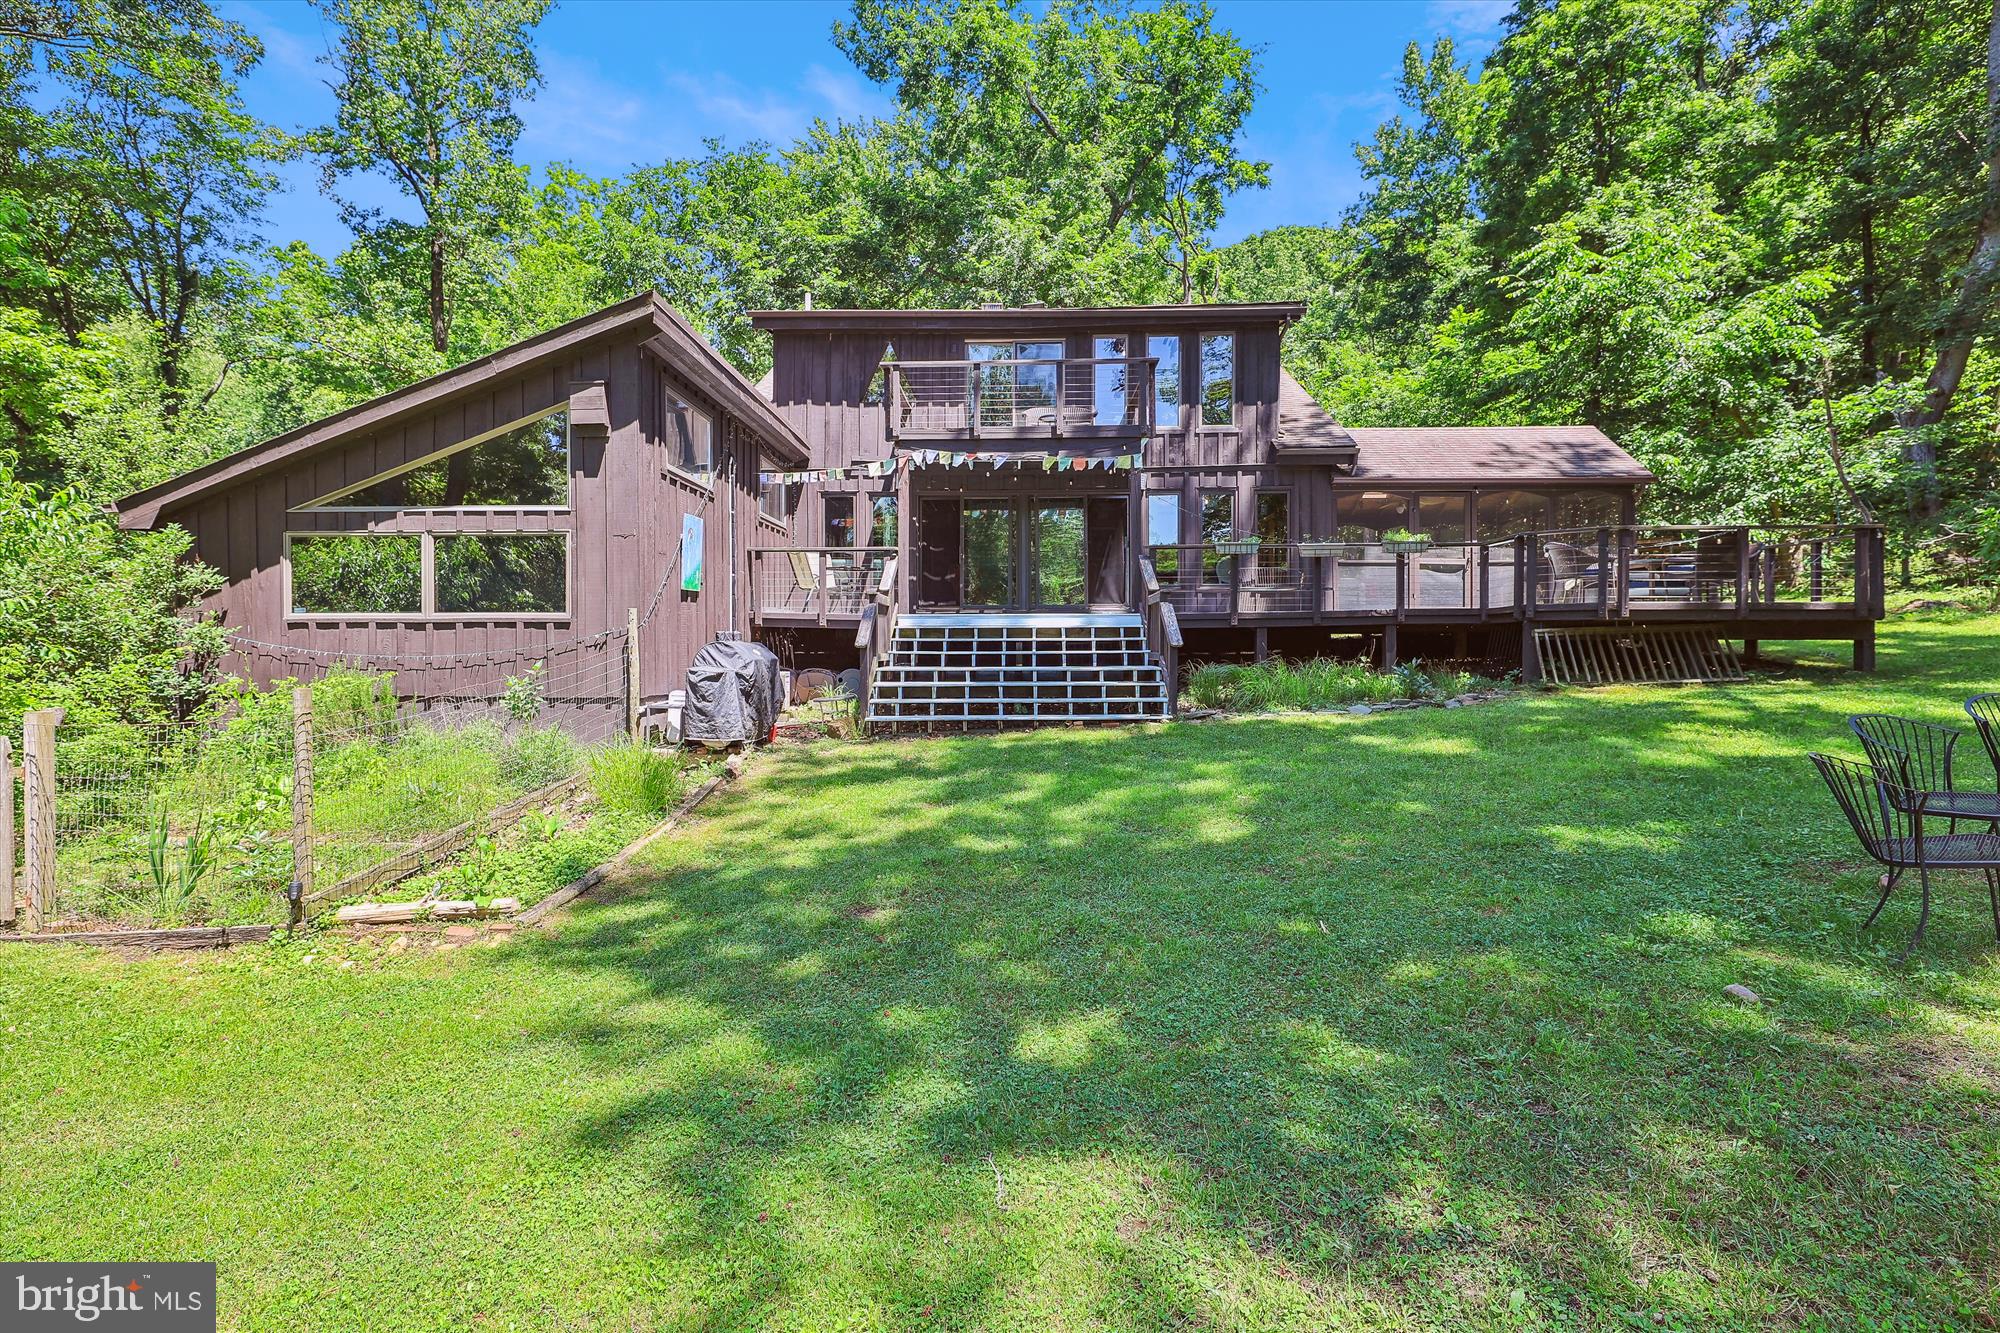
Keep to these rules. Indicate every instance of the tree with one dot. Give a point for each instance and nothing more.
(1083, 130)
(427, 90)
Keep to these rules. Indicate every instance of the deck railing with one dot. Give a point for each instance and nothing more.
(1087, 397)
(821, 582)
(1608, 572)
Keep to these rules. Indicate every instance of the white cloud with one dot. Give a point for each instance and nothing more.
(1469, 20)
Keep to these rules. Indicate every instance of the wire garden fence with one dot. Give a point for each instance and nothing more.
(343, 779)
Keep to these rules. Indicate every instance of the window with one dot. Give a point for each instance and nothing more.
(1017, 395)
(523, 466)
(1218, 379)
(878, 387)
(1166, 379)
(839, 520)
(369, 574)
(883, 528)
(360, 574)
(1111, 381)
(525, 573)
(1163, 531)
(690, 436)
(1365, 515)
(1218, 521)
(774, 502)
(1504, 513)
(1274, 526)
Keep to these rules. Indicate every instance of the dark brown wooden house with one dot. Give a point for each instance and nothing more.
(989, 515)
(1006, 504)
(535, 498)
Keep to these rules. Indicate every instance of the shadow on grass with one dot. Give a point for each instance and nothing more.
(1395, 1015)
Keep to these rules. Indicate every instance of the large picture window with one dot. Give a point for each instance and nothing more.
(525, 466)
(356, 574)
(1218, 379)
(1166, 347)
(516, 574)
(421, 575)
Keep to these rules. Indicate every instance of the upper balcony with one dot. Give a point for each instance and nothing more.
(1069, 398)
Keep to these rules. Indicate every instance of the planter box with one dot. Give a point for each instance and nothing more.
(1416, 547)
(1326, 550)
(1238, 545)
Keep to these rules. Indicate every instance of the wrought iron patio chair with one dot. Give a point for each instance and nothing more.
(1888, 818)
(1922, 753)
(1984, 710)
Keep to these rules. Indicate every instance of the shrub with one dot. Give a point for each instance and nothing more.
(536, 758)
(1321, 683)
(634, 778)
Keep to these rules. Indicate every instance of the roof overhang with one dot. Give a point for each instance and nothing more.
(673, 339)
(1029, 319)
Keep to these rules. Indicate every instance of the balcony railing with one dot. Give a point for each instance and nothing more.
(1574, 573)
(1083, 398)
(821, 583)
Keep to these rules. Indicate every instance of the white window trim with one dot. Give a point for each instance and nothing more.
(320, 506)
(428, 614)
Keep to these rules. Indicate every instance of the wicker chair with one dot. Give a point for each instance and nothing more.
(1888, 818)
(1919, 754)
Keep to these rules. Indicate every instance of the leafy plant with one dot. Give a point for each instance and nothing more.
(523, 695)
(1323, 683)
(178, 869)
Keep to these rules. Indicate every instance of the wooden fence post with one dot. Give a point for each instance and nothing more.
(632, 673)
(6, 830)
(302, 802)
(38, 745)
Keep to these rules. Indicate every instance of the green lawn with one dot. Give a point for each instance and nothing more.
(1413, 1019)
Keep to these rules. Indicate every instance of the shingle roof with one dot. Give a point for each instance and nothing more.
(1304, 425)
(1491, 453)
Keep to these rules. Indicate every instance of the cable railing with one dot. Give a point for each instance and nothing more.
(1015, 398)
(821, 582)
(1567, 573)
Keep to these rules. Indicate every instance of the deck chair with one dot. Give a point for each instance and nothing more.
(1566, 578)
(1888, 819)
(1984, 710)
(1919, 755)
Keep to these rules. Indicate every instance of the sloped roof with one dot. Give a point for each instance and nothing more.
(1307, 429)
(669, 335)
(1481, 454)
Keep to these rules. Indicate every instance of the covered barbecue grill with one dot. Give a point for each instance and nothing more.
(733, 693)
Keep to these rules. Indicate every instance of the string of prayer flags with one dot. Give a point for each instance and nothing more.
(954, 458)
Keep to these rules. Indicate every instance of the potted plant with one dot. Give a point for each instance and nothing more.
(1326, 547)
(1401, 541)
(1237, 544)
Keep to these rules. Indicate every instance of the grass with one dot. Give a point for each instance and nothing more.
(1231, 1025)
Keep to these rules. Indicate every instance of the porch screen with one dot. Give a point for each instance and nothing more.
(1163, 531)
(1504, 513)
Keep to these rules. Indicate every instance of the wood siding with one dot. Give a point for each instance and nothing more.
(623, 520)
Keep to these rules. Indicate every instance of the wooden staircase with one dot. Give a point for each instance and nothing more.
(996, 670)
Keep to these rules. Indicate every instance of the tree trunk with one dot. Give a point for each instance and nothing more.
(440, 323)
(1961, 327)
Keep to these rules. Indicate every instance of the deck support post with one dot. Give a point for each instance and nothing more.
(1389, 646)
(1261, 642)
(1864, 646)
(1531, 654)
(1750, 650)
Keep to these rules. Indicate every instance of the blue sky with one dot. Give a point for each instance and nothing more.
(630, 82)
